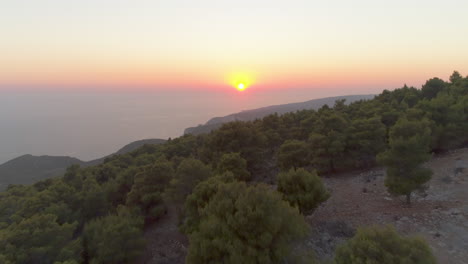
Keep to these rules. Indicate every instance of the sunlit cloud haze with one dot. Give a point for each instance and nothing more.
(198, 44)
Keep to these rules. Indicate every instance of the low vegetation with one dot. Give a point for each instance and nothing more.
(383, 245)
(302, 189)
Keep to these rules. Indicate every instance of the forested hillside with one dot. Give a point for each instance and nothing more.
(259, 113)
(242, 190)
(29, 169)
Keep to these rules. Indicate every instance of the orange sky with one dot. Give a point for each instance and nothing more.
(179, 44)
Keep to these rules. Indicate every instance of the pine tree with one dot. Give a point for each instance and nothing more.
(302, 189)
(408, 150)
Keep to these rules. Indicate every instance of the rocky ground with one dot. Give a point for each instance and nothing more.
(439, 214)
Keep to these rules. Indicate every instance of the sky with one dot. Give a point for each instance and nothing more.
(151, 44)
(83, 78)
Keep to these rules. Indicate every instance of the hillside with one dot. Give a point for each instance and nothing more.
(286, 188)
(249, 115)
(360, 198)
(126, 149)
(439, 213)
(28, 169)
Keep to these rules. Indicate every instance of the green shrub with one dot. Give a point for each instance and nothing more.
(383, 246)
(302, 189)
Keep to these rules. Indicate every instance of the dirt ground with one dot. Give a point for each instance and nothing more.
(165, 244)
(439, 214)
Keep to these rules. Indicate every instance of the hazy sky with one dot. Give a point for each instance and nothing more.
(85, 77)
(199, 44)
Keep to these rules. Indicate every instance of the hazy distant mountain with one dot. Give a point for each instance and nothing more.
(28, 169)
(128, 148)
(249, 115)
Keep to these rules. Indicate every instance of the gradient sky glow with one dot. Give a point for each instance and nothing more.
(155, 44)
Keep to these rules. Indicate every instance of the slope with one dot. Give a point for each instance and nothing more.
(28, 169)
(249, 115)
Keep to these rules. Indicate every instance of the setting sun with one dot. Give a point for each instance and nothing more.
(241, 87)
(240, 80)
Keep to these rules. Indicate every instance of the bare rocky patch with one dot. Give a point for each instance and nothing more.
(438, 213)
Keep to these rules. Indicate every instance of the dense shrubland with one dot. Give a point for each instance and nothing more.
(97, 214)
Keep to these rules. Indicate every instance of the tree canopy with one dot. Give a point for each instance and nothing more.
(292, 154)
(302, 189)
(114, 238)
(234, 163)
(189, 173)
(148, 188)
(408, 149)
(245, 224)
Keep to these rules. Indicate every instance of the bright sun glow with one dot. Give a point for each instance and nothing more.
(241, 80)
